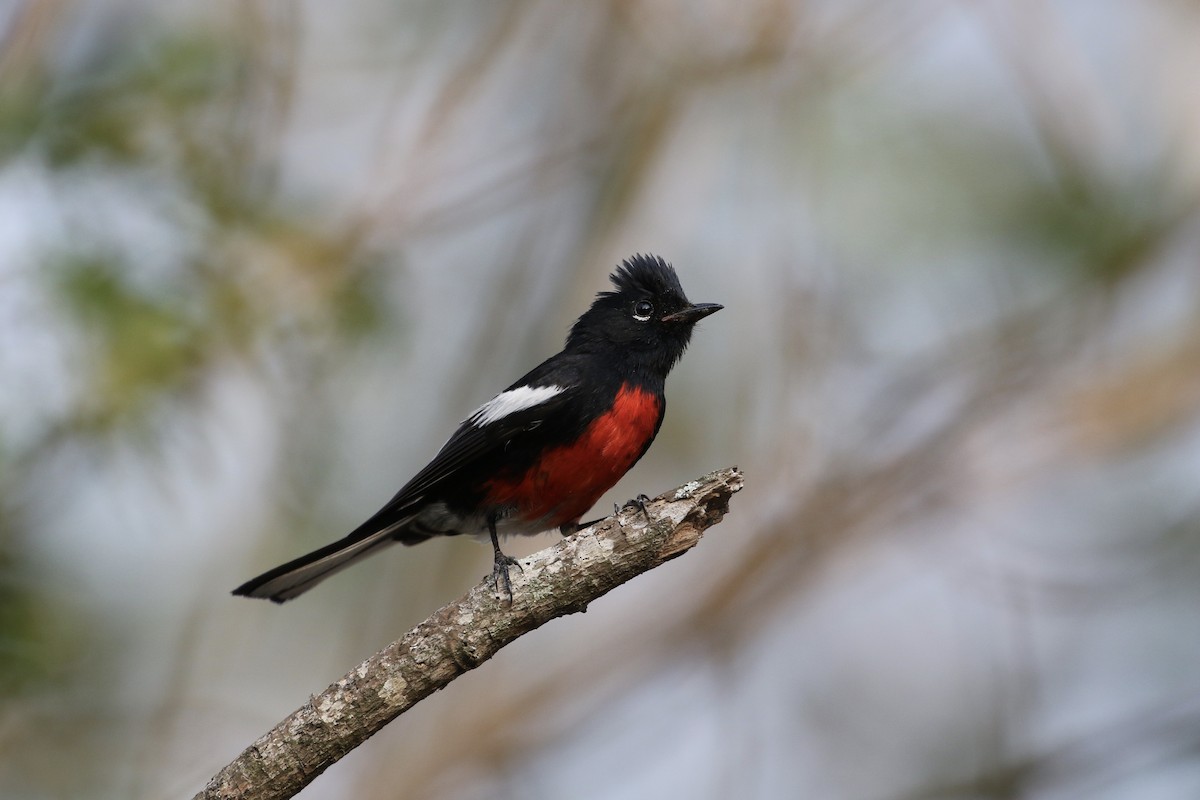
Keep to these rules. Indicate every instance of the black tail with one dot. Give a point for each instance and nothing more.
(301, 574)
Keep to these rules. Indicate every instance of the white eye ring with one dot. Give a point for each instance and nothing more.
(643, 310)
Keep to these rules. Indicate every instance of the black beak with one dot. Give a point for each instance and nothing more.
(693, 313)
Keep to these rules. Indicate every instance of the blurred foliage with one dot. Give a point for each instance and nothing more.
(139, 346)
(1099, 232)
(123, 103)
(165, 114)
(256, 261)
(24, 656)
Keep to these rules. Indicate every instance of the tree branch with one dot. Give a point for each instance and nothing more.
(557, 581)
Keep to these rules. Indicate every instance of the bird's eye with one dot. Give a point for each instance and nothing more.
(642, 310)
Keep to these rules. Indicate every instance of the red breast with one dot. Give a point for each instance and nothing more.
(568, 480)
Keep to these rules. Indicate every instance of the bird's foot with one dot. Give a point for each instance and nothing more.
(500, 574)
(639, 503)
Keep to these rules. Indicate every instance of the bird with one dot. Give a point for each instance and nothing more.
(541, 453)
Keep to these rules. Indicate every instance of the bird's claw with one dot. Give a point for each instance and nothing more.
(500, 574)
(639, 503)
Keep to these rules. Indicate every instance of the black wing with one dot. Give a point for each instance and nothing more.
(473, 441)
(479, 436)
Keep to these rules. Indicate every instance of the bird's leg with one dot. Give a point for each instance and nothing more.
(571, 527)
(501, 562)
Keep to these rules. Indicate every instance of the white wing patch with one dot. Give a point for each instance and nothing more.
(511, 402)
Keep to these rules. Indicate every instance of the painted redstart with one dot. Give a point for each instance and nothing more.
(538, 455)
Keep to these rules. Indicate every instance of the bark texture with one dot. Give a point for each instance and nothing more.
(557, 581)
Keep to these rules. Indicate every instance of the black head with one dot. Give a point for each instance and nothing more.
(647, 319)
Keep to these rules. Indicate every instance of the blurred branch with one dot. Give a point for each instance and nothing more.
(559, 580)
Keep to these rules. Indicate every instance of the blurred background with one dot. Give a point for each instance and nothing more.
(257, 260)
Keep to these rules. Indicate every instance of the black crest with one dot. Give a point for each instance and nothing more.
(646, 274)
